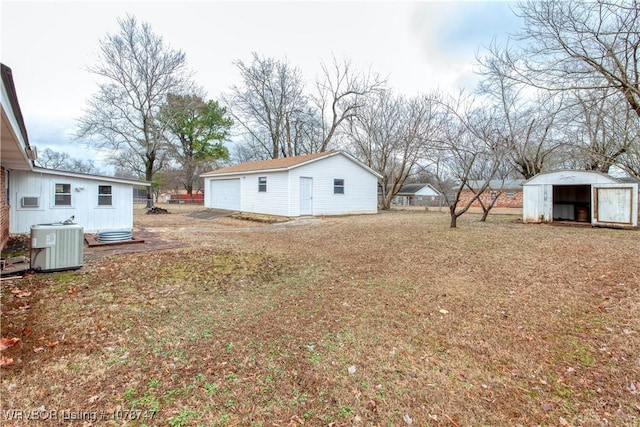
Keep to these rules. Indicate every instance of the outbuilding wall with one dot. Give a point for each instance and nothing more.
(275, 201)
(283, 189)
(360, 187)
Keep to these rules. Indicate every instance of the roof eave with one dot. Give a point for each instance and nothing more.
(297, 165)
(14, 119)
(91, 176)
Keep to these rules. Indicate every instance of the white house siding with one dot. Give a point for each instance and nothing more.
(427, 191)
(84, 203)
(360, 187)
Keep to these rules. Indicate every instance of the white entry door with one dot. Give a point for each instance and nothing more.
(306, 196)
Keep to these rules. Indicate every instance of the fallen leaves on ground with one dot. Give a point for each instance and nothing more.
(6, 343)
(18, 293)
(5, 361)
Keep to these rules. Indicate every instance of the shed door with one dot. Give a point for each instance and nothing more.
(306, 196)
(225, 194)
(615, 204)
(537, 203)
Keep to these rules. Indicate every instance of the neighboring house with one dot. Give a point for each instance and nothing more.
(33, 195)
(328, 183)
(508, 193)
(580, 196)
(417, 195)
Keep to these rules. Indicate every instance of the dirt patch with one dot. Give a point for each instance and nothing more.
(265, 219)
(385, 319)
(210, 213)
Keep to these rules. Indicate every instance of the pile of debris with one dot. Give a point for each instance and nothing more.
(156, 210)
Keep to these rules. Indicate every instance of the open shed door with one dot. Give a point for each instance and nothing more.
(615, 204)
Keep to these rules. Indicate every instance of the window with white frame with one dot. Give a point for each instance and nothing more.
(105, 195)
(262, 184)
(338, 186)
(63, 195)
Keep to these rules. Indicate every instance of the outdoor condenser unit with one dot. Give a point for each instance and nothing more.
(56, 247)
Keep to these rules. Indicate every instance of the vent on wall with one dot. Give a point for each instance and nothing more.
(30, 202)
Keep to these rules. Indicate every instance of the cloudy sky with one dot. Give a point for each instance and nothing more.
(419, 46)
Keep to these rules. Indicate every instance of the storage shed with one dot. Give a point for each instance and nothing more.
(580, 196)
(328, 183)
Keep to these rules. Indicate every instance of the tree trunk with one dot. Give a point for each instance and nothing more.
(148, 175)
(454, 217)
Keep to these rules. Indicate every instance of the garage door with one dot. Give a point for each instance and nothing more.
(225, 194)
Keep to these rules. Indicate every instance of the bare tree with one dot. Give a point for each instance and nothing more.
(629, 161)
(470, 148)
(525, 116)
(63, 161)
(600, 128)
(581, 45)
(341, 92)
(137, 71)
(270, 106)
(391, 135)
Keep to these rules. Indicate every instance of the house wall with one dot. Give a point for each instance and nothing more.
(4, 208)
(84, 203)
(427, 191)
(504, 200)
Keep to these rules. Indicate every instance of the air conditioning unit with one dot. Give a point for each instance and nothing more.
(30, 202)
(56, 247)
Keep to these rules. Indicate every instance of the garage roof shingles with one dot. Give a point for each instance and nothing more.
(264, 165)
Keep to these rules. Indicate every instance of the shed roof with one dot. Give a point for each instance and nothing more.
(571, 177)
(629, 179)
(283, 164)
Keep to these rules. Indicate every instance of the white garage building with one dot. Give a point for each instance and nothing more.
(329, 183)
(580, 196)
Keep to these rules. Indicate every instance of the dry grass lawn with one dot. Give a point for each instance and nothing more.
(384, 320)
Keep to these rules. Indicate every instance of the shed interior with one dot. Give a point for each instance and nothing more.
(572, 203)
